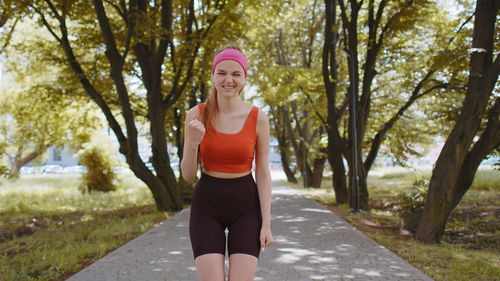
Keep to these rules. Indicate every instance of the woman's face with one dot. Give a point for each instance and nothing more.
(229, 78)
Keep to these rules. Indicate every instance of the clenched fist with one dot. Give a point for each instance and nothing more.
(195, 132)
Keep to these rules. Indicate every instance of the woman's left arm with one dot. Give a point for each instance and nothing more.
(263, 178)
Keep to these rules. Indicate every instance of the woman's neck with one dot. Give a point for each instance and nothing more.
(227, 105)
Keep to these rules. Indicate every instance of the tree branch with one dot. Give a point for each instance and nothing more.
(381, 134)
(46, 24)
(80, 74)
(118, 9)
(461, 26)
(323, 121)
(166, 27)
(9, 35)
(391, 20)
(107, 34)
(494, 70)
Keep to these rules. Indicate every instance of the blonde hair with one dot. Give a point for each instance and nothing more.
(211, 108)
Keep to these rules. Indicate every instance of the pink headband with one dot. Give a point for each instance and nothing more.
(230, 54)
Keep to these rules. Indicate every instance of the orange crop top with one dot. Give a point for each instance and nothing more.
(230, 153)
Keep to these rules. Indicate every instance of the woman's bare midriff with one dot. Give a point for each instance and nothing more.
(226, 175)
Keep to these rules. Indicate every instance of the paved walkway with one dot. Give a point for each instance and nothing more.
(311, 243)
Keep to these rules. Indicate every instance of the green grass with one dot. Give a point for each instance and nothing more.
(50, 230)
(487, 179)
(61, 193)
(469, 249)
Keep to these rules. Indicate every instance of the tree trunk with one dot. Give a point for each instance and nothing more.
(339, 180)
(446, 188)
(329, 69)
(298, 147)
(158, 188)
(178, 136)
(317, 172)
(18, 162)
(290, 175)
(281, 134)
(150, 53)
(285, 162)
(362, 185)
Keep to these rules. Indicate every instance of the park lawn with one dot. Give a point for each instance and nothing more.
(49, 230)
(469, 249)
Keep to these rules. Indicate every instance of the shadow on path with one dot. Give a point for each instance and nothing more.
(311, 243)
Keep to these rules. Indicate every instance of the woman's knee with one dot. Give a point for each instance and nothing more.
(242, 267)
(210, 267)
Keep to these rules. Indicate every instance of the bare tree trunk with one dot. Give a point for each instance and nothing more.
(281, 134)
(446, 188)
(317, 172)
(329, 69)
(18, 162)
(150, 53)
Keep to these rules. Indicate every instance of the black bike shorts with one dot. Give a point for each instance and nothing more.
(218, 204)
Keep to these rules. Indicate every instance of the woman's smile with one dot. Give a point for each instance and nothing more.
(229, 77)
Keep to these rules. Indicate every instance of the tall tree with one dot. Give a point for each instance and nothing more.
(288, 72)
(461, 155)
(165, 38)
(383, 21)
(37, 109)
(336, 144)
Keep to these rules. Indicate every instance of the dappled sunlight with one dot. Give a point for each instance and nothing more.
(319, 259)
(292, 255)
(402, 274)
(279, 239)
(192, 268)
(297, 219)
(316, 210)
(371, 273)
(162, 260)
(312, 243)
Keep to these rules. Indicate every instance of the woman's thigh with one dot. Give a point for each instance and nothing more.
(242, 267)
(210, 267)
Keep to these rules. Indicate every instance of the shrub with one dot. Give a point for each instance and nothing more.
(4, 170)
(4, 166)
(99, 175)
(411, 204)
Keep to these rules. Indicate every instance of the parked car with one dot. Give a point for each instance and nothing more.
(27, 170)
(51, 169)
(77, 169)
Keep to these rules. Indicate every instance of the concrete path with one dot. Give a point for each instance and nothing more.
(311, 243)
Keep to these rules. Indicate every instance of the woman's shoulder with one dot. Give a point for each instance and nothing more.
(262, 118)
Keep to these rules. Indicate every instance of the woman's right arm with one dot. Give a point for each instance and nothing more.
(193, 134)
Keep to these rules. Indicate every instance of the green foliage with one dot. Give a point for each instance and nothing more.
(99, 175)
(4, 169)
(40, 106)
(285, 63)
(414, 198)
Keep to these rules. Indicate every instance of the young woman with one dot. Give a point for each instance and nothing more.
(227, 132)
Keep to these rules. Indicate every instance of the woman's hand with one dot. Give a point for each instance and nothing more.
(195, 132)
(266, 237)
